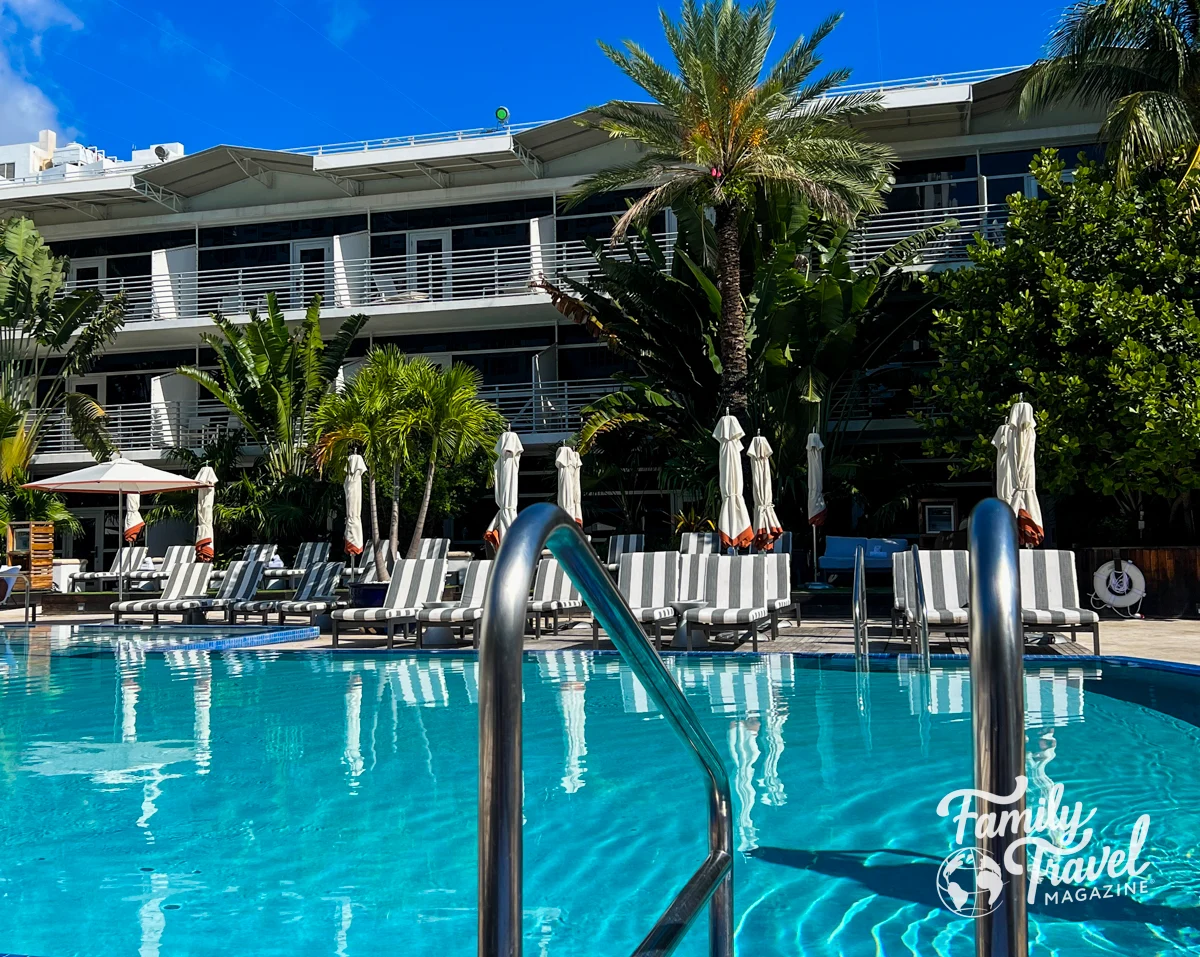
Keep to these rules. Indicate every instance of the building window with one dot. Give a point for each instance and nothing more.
(947, 182)
(8, 170)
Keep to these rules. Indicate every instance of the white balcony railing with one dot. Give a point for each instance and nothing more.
(458, 275)
(883, 231)
(538, 409)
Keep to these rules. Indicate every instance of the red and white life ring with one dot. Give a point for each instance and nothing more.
(1120, 587)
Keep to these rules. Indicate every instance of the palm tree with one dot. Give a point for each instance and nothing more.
(272, 379)
(724, 127)
(444, 413)
(40, 325)
(356, 419)
(1140, 60)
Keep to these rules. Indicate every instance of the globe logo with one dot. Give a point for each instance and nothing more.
(969, 882)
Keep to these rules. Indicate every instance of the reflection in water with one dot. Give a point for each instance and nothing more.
(201, 729)
(775, 795)
(1053, 696)
(129, 700)
(352, 756)
(571, 697)
(151, 917)
(743, 745)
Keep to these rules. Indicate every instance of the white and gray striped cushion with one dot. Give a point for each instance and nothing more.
(309, 554)
(649, 579)
(945, 579)
(693, 569)
(704, 543)
(415, 582)
(552, 588)
(901, 574)
(735, 588)
(127, 560)
(307, 607)
(470, 602)
(620, 545)
(778, 574)
(174, 556)
(240, 583)
(1050, 589)
(725, 616)
(316, 588)
(186, 583)
(653, 613)
(434, 548)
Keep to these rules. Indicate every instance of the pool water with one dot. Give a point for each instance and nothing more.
(190, 802)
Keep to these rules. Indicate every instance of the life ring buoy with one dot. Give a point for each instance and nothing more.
(1120, 587)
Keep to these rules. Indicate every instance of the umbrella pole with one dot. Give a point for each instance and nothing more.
(816, 570)
(120, 548)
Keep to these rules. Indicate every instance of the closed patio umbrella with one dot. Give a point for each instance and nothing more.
(355, 468)
(118, 476)
(1016, 479)
(134, 523)
(207, 480)
(816, 489)
(508, 462)
(570, 498)
(766, 522)
(733, 523)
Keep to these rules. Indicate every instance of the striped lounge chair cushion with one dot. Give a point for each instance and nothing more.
(434, 548)
(309, 554)
(693, 569)
(174, 556)
(552, 589)
(653, 613)
(186, 584)
(901, 573)
(649, 581)
(704, 543)
(415, 582)
(128, 560)
(945, 579)
(735, 587)
(620, 545)
(778, 573)
(470, 602)
(1050, 589)
(319, 605)
(240, 583)
(725, 616)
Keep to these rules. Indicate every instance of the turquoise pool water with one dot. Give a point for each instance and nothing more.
(191, 802)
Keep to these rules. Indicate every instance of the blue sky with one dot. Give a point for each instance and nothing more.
(284, 73)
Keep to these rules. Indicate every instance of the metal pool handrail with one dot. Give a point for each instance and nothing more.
(998, 711)
(501, 645)
(919, 612)
(858, 603)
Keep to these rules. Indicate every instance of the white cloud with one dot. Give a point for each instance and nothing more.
(345, 17)
(27, 109)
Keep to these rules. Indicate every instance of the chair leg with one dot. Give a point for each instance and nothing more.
(892, 637)
(774, 626)
(116, 618)
(658, 634)
(754, 636)
(1096, 638)
(537, 627)
(391, 634)
(595, 635)
(156, 618)
(475, 634)
(555, 629)
(333, 628)
(420, 632)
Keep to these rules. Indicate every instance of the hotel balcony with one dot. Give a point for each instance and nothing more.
(541, 413)
(947, 251)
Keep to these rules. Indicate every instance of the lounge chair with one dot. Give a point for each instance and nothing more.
(434, 548)
(693, 567)
(706, 543)
(251, 553)
(1050, 594)
(185, 590)
(902, 572)
(735, 589)
(315, 595)
(127, 560)
(778, 571)
(309, 554)
(415, 583)
(467, 611)
(240, 583)
(649, 582)
(619, 545)
(946, 583)
(552, 592)
(174, 556)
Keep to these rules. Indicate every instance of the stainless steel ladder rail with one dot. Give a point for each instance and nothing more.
(919, 619)
(501, 646)
(998, 710)
(858, 604)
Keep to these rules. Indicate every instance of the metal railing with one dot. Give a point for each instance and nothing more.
(882, 231)
(858, 604)
(453, 275)
(500, 753)
(998, 714)
(417, 139)
(919, 617)
(65, 173)
(145, 426)
(933, 80)
(547, 407)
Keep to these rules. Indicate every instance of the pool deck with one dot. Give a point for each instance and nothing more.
(1160, 639)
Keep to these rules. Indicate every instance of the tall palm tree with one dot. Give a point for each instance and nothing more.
(723, 127)
(445, 419)
(1140, 60)
(273, 378)
(46, 338)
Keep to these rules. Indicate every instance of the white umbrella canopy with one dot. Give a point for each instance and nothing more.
(570, 498)
(207, 479)
(134, 523)
(355, 468)
(766, 523)
(505, 470)
(1016, 478)
(733, 524)
(117, 476)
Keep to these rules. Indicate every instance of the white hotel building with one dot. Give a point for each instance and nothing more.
(436, 238)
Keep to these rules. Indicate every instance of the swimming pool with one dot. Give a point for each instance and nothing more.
(190, 802)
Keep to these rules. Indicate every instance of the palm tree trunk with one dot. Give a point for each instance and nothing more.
(380, 565)
(414, 547)
(732, 330)
(394, 532)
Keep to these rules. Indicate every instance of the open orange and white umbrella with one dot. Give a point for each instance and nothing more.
(766, 523)
(1016, 479)
(733, 524)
